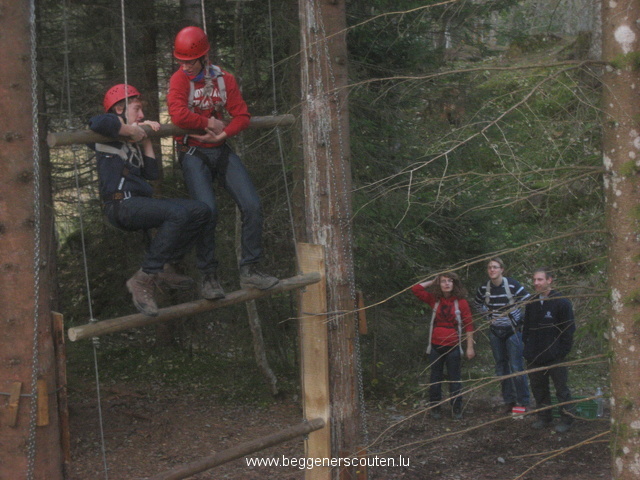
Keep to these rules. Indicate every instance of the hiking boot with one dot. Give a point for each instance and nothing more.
(540, 424)
(172, 280)
(562, 427)
(250, 277)
(141, 288)
(210, 287)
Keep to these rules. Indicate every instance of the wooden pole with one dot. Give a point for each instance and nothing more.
(328, 210)
(26, 278)
(87, 136)
(314, 358)
(191, 308)
(620, 154)
(241, 450)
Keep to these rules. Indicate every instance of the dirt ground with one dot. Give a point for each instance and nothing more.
(148, 431)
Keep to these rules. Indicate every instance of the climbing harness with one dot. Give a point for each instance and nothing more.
(458, 323)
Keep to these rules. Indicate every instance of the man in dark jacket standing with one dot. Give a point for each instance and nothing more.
(548, 336)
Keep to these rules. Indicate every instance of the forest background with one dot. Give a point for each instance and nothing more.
(475, 131)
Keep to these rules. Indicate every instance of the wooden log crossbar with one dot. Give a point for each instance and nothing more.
(87, 136)
(184, 309)
(252, 446)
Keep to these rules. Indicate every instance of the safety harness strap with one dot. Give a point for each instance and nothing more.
(507, 291)
(458, 321)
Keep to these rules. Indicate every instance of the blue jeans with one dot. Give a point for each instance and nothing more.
(199, 177)
(178, 221)
(507, 353)
(439, 357)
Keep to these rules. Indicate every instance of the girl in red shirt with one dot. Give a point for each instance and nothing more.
(448, 325)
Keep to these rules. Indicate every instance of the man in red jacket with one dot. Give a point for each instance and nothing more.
(199, 93)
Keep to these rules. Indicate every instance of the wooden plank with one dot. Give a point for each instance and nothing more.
(87, 136)
(42, 414)
(314, 355)
(247, 448)
(191, 308)
(362, 314)
(14, 403)
(61, 381)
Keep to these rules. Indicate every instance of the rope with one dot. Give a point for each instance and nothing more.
(204, 20)
(76, 168)
(35, 139)
(279, 138)
(123, 20)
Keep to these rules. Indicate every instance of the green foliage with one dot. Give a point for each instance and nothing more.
(466, 164)
(627, 60)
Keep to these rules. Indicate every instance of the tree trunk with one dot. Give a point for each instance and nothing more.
(325, 127)
(191, 12)
(141, 45)
(28, 449)
(621, 155)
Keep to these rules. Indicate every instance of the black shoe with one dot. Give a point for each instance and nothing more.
(456, 413)
(435, 413)
(210, 287)
(251, 277)
(540, 424)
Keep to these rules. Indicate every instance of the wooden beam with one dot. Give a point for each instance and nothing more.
(206, 463)
(14, 403)
(42, 413)
(314, 355)
(191, 308)
(87, 136)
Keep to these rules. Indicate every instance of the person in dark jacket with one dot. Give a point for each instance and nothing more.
(548, 336)
(124, 167)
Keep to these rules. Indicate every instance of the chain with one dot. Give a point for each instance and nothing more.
(31, 442)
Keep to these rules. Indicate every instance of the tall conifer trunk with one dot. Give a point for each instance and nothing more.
(621, 155)
(27, 450)
(325, 128)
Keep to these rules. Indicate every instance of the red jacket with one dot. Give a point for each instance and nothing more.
(445, 326)
(205, 107)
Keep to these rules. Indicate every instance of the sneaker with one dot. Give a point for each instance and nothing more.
(562, 427)
(210, 287)
(507, 408)
(540, 424)
(141, 288)
(250, 277)
(172, 280)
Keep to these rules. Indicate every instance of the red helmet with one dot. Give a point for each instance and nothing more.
(117, 93)
(191, 43)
